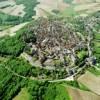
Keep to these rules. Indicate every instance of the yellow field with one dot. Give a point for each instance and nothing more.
(91, 81)
(77, 94)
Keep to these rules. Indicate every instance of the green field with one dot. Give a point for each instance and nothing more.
(95, 71)
(56, 92)
(96, 46)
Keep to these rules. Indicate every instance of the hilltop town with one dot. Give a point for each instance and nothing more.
(49, 50)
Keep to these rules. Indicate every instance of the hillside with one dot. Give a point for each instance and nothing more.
(49, 50)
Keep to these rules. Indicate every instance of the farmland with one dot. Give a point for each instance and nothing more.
(49, 50)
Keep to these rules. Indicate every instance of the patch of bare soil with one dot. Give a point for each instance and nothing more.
(91, 81)
(77, 94)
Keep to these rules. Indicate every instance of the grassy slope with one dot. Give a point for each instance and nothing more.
(68, 12)
(62, 93)
(56, 92)
(96, 46)
(95, 71)
(23, 95)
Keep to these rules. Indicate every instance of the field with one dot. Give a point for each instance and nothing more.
(86, 8)
(12, 30)
(67, 8)
(23, 95)
(4, 4)
(84, 1)
(77, 94)
(22, 9)
(30, 9)
(56, 92)
(95, 71)
(93, 82)
(17, 10)
(96, 46)
(49, 5)
(10, 7)
(22, 76)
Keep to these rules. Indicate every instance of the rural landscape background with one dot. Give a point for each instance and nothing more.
(49, 49)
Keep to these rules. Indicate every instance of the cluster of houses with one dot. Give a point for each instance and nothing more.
(56, 41)
(57, 45)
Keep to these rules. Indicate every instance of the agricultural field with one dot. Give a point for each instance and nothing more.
(92, 83)
(77, 94)
(11, 31)
(48, 6)
(49, 49)
(67, 7)
(16, 11)
(17, 7)
(96, 46)
(10, 7)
